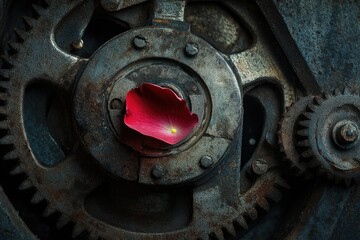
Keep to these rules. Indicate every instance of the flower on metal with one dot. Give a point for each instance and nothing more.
(158, 112)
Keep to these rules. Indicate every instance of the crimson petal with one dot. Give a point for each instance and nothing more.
(158, 112)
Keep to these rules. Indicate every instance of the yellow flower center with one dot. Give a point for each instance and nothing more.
(173, 130)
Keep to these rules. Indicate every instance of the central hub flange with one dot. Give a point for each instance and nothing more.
(204, 80)
(165, 74)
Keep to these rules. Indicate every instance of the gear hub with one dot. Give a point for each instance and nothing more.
(331, 129)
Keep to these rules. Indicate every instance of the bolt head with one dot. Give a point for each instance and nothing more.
(116, 104)
(158, 172)
(206, 162)
(78, 44)
(139, 42)
(349, 132)
(111, 5)
(260, 166)
(346, 134)
(191, 49)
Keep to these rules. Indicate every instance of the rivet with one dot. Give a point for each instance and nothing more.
(191, 49)
(139, 42)
(157, 172)
(116, 104)
(206, 162)
(260, 166)
(78, 44)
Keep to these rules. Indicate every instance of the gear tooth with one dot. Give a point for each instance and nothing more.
(49, 210)
(6, 140)
(17, 170)
(4, 84)
(77, 230)
(304, 123)
(253, 214)
(36, 198)
(337, 92)
(347, 91)
(15, 46)
(303, 132)
(3, 112)
(296, 170)
(327, 95)
(304, 143)
(3, 96)
(4, 125)
(230, 230)
(8, 60)
(26, 184)
(5, 74)
(38, 9)
(307, 115)
(62, 221)
(275, 195)
(29, 22)
(312, 107)
(45, 3)
(307, 153)
(318, 100)
(218, 233)
(21, 34)
(264, 204)
(242, 222)
(12, 155)
(282, 183)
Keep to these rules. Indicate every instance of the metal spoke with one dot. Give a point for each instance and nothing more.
(68, 182)
(257, 64)
(209, 201)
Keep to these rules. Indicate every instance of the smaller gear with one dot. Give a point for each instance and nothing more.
(329, 135)
(287, 136)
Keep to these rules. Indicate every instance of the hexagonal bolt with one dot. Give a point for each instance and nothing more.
(260, 166)
(140, 42)
(206, 162)
(347, 132)
(157, 172)
(78, 44)
(116, 104)
(191, 49)
(111, 5)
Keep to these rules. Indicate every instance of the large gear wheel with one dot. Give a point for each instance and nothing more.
(52, 87)
(328, 135)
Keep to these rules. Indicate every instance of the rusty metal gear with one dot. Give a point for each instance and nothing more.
(328, 134)
(287, 135)
(65, 184)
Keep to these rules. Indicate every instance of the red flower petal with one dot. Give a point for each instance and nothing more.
(159, 113)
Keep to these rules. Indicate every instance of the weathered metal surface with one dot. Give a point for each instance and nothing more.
(217, 204)
(326, 33)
